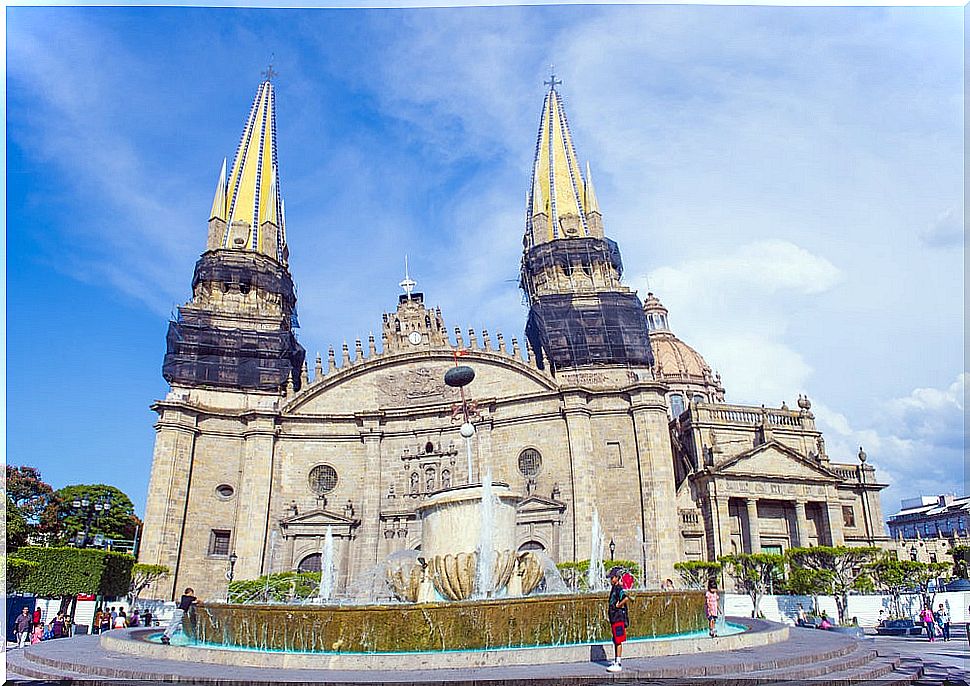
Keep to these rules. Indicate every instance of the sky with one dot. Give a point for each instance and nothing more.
(788, 181)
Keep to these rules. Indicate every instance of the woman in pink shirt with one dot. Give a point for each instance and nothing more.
(929, 622)
(711, 598)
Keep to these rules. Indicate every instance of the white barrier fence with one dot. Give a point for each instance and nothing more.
(784, 608)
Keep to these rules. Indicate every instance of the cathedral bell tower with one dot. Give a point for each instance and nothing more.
(237, 331)
(580, 314)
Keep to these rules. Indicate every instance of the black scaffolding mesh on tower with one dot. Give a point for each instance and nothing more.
(201, 352)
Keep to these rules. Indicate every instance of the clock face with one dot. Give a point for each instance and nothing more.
(414, 337)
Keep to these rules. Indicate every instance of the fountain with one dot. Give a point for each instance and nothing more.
(468, 588)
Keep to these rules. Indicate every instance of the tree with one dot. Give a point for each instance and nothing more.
(118, 522)
(810, 582)
(753, 573)
(845, 567)
(893, 576)
(17, 529)
(696, 574)
(927, 577)
(961, 561)
(65, 572)
(576, 577)
(143, 576)
(34, 498)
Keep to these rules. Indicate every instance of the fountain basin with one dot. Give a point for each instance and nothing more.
(451, 520)
(470, 625)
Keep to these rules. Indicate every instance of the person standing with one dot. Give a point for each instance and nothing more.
(96, 624)
(147, 618)
(105, 621)
(618, 615)
(711, 599)
(134, 620)
(187, 600)
(37, 616)
(58, 626)
(121, 621)
(22, 625)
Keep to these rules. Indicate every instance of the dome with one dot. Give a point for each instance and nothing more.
(675, 362)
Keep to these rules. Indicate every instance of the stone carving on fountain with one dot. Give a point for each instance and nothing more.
(454, 576)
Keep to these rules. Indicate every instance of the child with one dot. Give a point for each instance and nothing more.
(187, 601)
(711, 599)
(38, 634)
(618, 616)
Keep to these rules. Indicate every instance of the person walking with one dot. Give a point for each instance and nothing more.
(929, 622)
(943, 621)
(711, 599)
(618, 615)
(187, 600)
(22, 625)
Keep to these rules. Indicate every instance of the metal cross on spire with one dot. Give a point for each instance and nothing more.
(270, 73)
(408, 283)
(553, 81)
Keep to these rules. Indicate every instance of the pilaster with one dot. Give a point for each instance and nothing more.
(580, 437)
(369, 535)
(801, 524)
(660, 523)
(255, 485)
(754, 527)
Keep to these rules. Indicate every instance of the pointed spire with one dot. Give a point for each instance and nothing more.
(557, 188)
(219, 201)
(252, 190)
(318, 369)
(331, 360)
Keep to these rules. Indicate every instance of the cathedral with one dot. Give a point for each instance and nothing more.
(599, 411)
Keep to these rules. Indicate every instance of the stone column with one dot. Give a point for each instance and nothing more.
(661, 526)
(583, 486)
(801, 524)
(168, 491)
(367, 508)
(754, 527)
(722, 536)
(256, 481)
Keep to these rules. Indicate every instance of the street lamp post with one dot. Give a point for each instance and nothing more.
(232, 567)
(92, 510)
(612, 549)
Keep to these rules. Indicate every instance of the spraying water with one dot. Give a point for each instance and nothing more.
(271, 565)
(328, 570)
(486, 552)
(596, 575)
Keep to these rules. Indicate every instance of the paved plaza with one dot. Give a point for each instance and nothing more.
(809, 655)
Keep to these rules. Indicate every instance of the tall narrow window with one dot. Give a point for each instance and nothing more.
(676, 404)
(219, 542)
(614, 458)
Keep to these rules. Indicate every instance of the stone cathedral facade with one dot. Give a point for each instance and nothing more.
(599, 410)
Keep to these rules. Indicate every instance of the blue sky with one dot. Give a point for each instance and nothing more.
(788, 181)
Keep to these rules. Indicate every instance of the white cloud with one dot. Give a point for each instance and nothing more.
(946, 231)
(917, 442)
(740, 305)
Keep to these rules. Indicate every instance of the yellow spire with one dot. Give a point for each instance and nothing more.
(557, 184)
(252, 192)
(219, 201)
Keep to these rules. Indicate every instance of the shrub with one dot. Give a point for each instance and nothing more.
(63, 572)
(17, 572)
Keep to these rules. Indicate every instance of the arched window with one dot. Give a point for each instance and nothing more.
(676, 404)
(429, 447)
(310, 563)
(415, 479)
(531, 545)
(698, 398)
(429, 479)
(445, 478)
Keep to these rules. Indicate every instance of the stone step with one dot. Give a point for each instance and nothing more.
(21, 669)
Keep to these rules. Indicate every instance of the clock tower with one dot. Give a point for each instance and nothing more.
(413, 326)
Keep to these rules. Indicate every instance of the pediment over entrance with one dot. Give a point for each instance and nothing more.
(315, 523)
(773, 459)
(535, 509)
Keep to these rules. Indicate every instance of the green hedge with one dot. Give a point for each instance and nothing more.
(69, 571)
(17, 572)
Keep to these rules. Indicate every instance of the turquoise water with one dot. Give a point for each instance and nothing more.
(181, 639)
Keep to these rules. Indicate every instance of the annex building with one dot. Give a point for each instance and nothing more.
(600, 410)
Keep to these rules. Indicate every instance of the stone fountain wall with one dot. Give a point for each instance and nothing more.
(471, 625)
